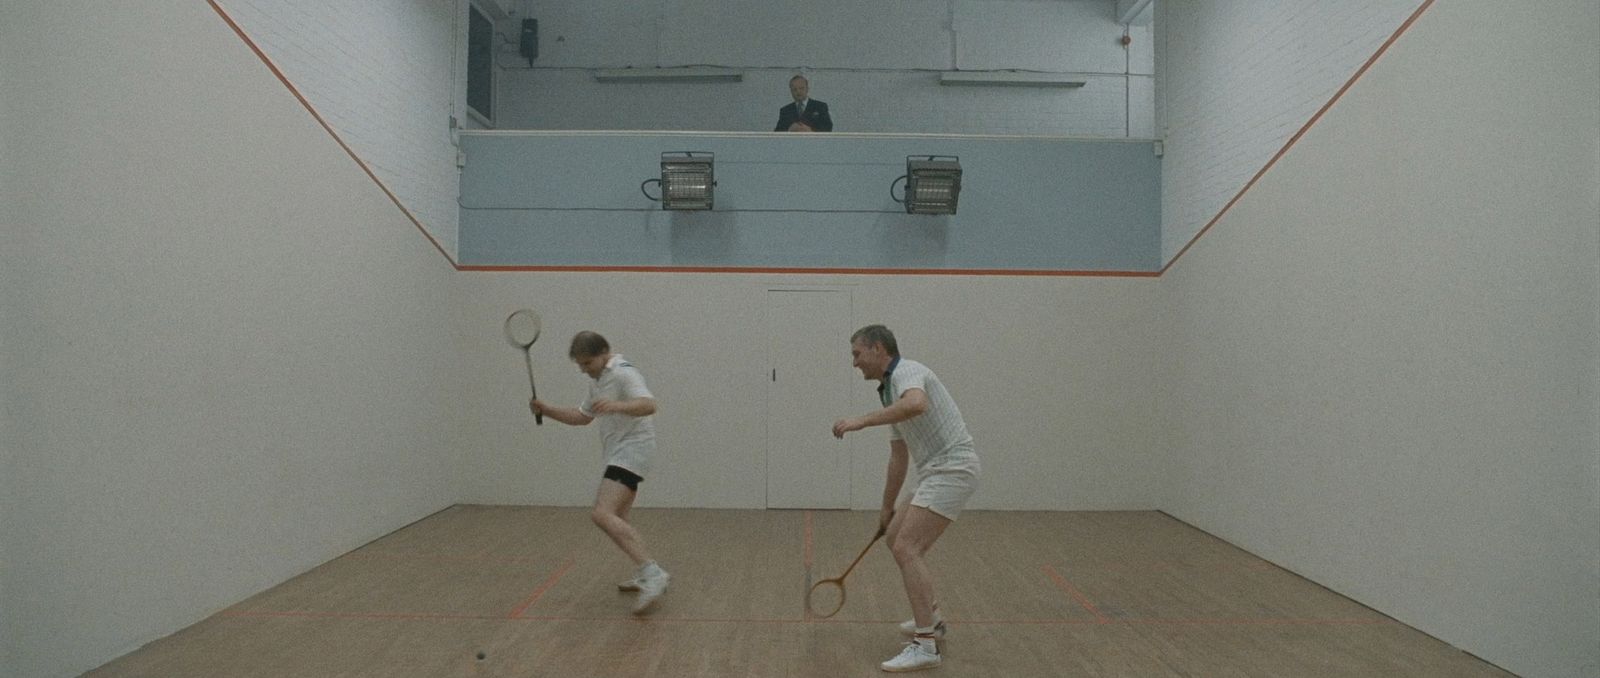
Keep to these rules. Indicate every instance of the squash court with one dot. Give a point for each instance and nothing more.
(1109, 594)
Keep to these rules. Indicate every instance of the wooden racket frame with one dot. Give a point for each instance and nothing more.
(839, 580)
(527, 351)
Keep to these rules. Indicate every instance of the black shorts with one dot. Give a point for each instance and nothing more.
(628, 478)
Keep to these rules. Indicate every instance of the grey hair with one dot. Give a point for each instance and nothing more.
(877, 334)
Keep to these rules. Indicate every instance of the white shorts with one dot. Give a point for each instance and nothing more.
(945, 492)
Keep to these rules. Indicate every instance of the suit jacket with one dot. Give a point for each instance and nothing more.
(815, 115)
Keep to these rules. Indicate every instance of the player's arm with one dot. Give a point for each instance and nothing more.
(635, 401)
(633, 407)
(911, 404)
(570, 416)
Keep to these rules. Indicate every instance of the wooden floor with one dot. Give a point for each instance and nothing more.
(1103, 594)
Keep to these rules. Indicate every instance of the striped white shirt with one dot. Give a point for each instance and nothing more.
(937, 438)
(627, 441)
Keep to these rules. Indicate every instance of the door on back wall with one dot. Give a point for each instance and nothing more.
(808, 388)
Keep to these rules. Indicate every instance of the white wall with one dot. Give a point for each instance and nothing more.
(1051, 374)
(10, 279)
(226, 355)
(1382, 365)
(875, 62)
(1237, 80)
(382, 74)
(1387, 355)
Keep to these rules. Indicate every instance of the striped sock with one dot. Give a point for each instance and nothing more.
(926, 639)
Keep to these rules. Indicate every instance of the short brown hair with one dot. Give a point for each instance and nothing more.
(588, 344)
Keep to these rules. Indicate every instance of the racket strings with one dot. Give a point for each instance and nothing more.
(522, 328)
(826, 599)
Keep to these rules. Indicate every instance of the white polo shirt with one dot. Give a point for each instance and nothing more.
(627, 441)
(937, 438)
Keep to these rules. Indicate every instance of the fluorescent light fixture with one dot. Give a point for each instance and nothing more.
(933, 184)
(688, 181)
(1009, 79)
(684, 74)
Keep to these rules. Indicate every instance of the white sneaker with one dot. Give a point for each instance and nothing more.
(629, 585)
(909, 627)
(914, 657)
(650, 590)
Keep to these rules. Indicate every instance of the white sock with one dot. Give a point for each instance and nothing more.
(650, 569)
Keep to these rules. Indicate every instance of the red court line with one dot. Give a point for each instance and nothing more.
(539, 592)
(480, 557)
(329, 128)
(1303, 129)
(1171, 566)
(957, 621)
(1257, 622)
(806, 558)
(697, 620)
(1064, 585)
(803, 270)
(1153, 621)
(807, 548)
(302, 614)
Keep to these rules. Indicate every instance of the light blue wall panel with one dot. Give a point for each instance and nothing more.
(808, 201)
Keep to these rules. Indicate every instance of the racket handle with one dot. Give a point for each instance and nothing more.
(863, 554)
(527, 355)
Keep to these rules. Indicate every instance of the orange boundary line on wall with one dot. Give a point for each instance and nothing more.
(1303, 129)
(846, 271)
(329, 128)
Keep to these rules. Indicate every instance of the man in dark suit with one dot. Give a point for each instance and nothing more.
(805, 114)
